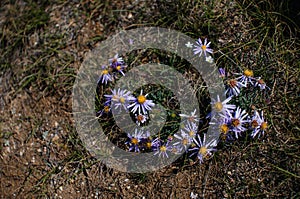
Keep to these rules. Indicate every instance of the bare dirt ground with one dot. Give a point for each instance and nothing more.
(42, 47)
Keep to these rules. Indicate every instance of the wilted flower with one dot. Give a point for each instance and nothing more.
(261, 83)
(233, 87)
(104, 111)
(193, 117)
(258, 124)
(141, 118)
(222, 72)
(238, 120)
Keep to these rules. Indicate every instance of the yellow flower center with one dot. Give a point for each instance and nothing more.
(122, 100)
(148, 145)
(185, 141)
(106, 109)
(191, 133)
(264, 125)
(235, 122)
(105, 72)
(232, 83)
(254, 124)
(203, 47)
(224, 128)
(118, 67)
(134, 141)
(248, 73)
(218, 106)
(203, 150)
(163, 148)
(141, 99)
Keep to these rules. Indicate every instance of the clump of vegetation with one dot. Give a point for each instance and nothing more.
(42, 45)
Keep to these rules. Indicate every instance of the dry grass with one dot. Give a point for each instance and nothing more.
(42, 47)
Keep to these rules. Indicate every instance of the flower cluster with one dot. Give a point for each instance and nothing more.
(234, 121)
(123, 99)
(242, 80)
(141, 141)
(230, 118)
(231, 126)
(109, 72)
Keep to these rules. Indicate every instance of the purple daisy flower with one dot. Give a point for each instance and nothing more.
(105, 76)
(120, 68)
(200, 47)
(246, 77)
(190, 129)
(116, 61)
(222, 107)
(183, 142)
(140, 104)
(135, 140)
(119, 98)
(203, 148)
(163, 149)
